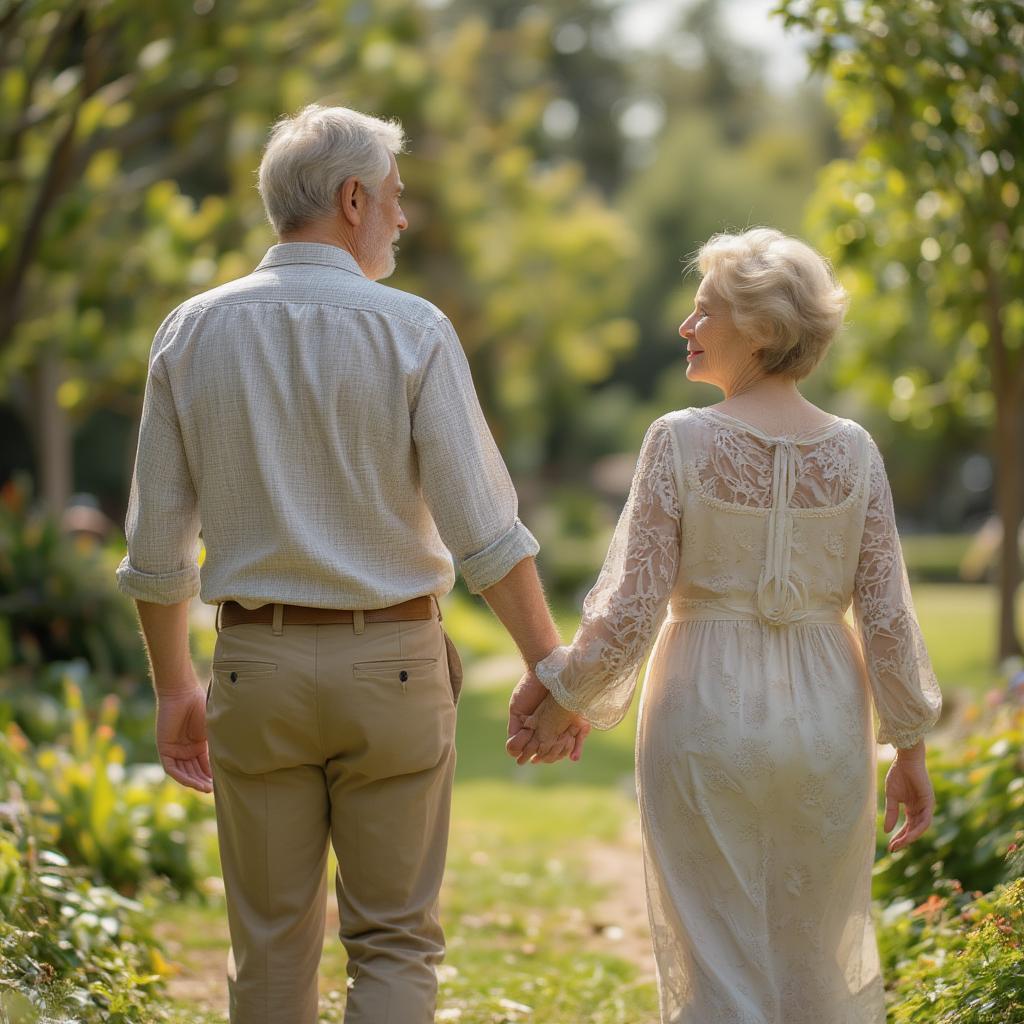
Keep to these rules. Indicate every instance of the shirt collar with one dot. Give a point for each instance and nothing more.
(310, 252)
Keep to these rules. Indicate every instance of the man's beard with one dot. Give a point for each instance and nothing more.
(381, 239)
(390, 260)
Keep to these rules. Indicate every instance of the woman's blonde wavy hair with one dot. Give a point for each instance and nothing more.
(782, 294)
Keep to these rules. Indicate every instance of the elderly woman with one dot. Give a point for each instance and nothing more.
(750, 527)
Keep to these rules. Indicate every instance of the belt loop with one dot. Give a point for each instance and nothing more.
(216, 616)
(437, 608)
(358, 622)
(278, 626)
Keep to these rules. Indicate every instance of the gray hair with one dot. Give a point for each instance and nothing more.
(309, 156)
(779, 292)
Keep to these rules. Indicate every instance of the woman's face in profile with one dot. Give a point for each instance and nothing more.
(716, 353)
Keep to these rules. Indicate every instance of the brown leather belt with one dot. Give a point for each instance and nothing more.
(233, 614)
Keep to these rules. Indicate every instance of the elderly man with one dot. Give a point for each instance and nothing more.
(322, 431)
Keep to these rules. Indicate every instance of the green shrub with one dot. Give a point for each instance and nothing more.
(60, 600)
(956, 960)
(979, 793)
(34, 699)
(128, 823)
(69, 950)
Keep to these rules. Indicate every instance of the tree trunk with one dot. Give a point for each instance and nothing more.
(1008, 389)
(53, 436)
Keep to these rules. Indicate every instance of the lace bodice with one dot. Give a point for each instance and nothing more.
(726, 522)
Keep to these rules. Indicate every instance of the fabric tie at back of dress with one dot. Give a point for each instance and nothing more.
(779, 600)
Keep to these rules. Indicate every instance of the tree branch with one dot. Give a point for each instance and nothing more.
(7, 30)
(25, 121)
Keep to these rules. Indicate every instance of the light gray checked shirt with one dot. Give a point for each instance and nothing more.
(323, 433)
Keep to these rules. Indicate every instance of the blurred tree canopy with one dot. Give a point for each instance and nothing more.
(128, 149)
(926, 221)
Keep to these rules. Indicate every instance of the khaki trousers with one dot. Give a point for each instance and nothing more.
(329, 734)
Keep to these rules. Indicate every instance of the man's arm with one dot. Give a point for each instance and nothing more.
(462, 474)
(180, 700)
(161, 573)
(517, 599)
(472, 500)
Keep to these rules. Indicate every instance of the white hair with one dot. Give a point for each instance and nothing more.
(309, 156)
(780, 292)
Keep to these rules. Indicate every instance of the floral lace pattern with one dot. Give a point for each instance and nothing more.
(627, 604)
(755, 760)
(906, 691)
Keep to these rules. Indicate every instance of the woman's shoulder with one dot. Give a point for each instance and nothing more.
(854, 429)
(676, 418)
(673, 425)
(705, 417)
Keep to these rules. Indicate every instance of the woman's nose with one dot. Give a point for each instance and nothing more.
(684, 328)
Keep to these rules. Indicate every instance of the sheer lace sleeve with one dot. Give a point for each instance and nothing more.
(906, 692)
(596, 676)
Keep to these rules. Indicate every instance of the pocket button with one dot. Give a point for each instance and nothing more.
(233, 677)
(403, 676)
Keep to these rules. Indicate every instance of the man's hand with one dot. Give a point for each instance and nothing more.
(181, 738)
(525, 699)
(548, 734)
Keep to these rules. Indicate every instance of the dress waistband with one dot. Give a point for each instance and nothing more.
(800, 617)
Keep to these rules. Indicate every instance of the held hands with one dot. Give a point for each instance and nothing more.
(539, 729)
(907, 783)
(181, 738)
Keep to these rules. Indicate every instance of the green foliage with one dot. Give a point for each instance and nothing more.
(926, 222)
(34, 699)
(926, 218)
(135, 140)
(58, 598)
(956, 960)
(979, 794)
(129, 824)
(69, 949)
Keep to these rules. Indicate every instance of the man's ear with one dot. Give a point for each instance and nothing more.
(350, 201)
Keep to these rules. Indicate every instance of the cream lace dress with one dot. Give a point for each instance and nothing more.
(741, 552)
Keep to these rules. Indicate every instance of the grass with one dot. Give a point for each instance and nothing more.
(959, 626)
(935, 556)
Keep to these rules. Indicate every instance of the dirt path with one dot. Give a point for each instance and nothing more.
(199, 979)
(619, 921)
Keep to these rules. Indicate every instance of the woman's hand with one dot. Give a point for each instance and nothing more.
(548, 735)
(907, 783)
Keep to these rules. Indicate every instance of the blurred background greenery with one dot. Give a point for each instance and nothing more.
(563, 165)
(565, 161)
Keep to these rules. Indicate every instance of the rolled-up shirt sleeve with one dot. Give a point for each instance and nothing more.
(463, 477)
(162, 525)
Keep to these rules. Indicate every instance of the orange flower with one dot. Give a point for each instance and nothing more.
(931, 908)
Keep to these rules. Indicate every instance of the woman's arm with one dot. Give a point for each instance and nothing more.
(596, 676)
(903, 684)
